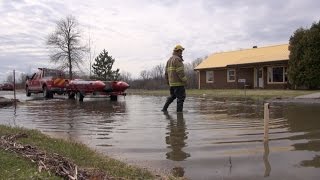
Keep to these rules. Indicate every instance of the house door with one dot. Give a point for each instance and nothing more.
(258, 78)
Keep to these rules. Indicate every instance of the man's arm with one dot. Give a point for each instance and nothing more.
(166, 74)
(180, 72)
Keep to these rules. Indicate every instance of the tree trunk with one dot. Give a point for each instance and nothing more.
(70, 66)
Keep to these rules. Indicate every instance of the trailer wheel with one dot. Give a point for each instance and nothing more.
(71, 95)
(113, 98)
(80, 96)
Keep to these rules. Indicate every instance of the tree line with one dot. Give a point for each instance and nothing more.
(154, 78)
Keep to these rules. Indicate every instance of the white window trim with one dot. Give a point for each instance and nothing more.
(228, 77)
(270, 68)
(207, 77)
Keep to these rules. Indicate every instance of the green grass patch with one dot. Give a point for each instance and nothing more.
(80, 154)
(230, 93)
(15, 167)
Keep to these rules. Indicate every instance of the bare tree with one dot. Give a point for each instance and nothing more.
(65, 44)
(22, 78)
(125, 76)
(10, 78)
(144, 74)
(197, 61)
(157, 71)
(191, 74)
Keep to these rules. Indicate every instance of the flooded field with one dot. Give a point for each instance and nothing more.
(214, 139)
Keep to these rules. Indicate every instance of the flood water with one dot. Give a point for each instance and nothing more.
(214, 139)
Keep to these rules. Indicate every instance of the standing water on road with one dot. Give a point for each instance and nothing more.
(214, 139)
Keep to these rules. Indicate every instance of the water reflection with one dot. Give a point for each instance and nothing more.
(266, 159)
(176, 137)
(71, 119)
(301, 118)
(232, 107)
(315, 162)
(311, 145)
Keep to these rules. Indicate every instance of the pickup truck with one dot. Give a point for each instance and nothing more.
(46, 81)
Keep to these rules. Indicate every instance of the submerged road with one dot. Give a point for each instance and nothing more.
(213, 139)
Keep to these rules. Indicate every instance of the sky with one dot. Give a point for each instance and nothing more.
(140, 34)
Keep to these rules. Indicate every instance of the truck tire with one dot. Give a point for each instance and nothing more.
(113, 98)
(47, 93)
(28, 94)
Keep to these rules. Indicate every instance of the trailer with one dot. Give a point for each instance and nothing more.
(78, 89)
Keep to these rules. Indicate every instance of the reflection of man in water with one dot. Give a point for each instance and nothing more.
(176, 138)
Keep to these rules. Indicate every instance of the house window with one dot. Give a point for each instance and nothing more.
(209, 77)
(277, 74)
(231, 75)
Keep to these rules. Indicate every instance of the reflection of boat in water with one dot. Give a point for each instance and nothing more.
(81, 88)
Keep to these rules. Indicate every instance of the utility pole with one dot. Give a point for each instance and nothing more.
(90, 52)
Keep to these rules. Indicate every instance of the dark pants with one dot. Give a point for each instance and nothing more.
(178, 92)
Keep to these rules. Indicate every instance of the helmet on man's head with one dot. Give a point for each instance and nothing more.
(178, 47)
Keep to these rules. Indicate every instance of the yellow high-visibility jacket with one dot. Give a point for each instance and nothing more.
(174, 72)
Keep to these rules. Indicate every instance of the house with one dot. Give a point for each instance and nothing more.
(258, 67)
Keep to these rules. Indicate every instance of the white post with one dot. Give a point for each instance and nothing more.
(14, 85)
(266, 122)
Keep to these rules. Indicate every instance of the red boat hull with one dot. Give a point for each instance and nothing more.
(83, 86)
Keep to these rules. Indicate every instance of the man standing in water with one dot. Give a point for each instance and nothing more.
(176, 79)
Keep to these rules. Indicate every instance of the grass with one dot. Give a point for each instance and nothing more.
(15, 167)
(230, 93)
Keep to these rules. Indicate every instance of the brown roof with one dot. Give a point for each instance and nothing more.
(246, 56)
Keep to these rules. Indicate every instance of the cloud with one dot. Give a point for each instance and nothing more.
(140, 34)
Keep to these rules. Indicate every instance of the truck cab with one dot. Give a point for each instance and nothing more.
(46, 81)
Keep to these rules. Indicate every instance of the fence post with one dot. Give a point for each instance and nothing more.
(14, 86)
(266, 121)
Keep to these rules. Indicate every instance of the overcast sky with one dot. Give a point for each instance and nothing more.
(140, 34)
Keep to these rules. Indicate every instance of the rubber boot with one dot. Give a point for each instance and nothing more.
(180, 105)
(166, 105)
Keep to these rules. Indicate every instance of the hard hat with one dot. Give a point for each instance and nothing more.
(178, 47)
